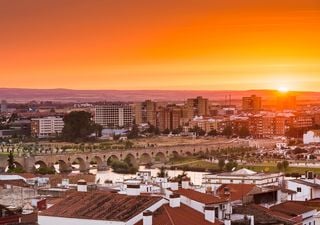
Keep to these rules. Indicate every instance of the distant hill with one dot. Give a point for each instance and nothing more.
(67, 95)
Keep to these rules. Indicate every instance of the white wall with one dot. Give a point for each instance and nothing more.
(299, 196)
(49, 220)
(193, 204)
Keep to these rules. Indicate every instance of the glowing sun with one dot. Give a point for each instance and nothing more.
(283, 89)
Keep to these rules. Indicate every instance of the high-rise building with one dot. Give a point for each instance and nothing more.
(46, 126)
(251, 104)
(169, 118)
(198, 106)
(114, 115)
(4, 106)
(146, 112)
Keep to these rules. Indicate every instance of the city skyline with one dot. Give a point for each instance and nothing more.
(160, 45)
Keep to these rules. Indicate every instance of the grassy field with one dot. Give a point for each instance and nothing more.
(194, 163)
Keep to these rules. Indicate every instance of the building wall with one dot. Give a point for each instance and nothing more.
(302, 195)
(49, 220)
(311, 137)
(114, 115)
(47, 126)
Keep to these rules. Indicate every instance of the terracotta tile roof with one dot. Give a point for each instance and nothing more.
(263, 215)
(200, 197)
(19, 183)
(182, 215)
(237, 191)
(291, 208)
(99, 205)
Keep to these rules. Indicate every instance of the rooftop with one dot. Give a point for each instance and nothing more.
(291, 208)
(307, 183)
(182, 215)
(99, 205)
(263, 215)
(236, 191)
(200, 197)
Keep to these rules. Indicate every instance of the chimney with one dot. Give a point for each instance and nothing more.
(209, 214)
(251, 219)
(174, 186)
(185, 184)
(82, 186)
(147, 218)
(174, 201)
(133, 189)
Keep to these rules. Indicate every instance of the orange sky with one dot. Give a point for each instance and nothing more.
(160, 44)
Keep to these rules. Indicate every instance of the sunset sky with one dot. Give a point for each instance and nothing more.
(160, 44)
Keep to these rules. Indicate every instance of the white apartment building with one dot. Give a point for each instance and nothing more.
(114, 115)
(242, 176)
(46, 126)
(311, 137)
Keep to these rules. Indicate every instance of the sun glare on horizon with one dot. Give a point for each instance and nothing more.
(283, 89)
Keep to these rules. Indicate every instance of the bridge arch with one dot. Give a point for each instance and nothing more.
(112, 158)
(40, 164)
(145, 158)
(131, 159)
(160, 157)
(81, 162)
(62, 167)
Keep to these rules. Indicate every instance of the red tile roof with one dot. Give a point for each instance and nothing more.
(237, 191)
(18, 183)
(200, 197)
(182, 215)
(291, 208)
(100, 205)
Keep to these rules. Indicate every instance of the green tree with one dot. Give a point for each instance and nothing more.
(243, 132)
(221, 164)
(280, 166)
(77, 126)
(162, 173)
(128, 145)
(11, 165)
(227, 131)
(231, 165)
(285, 164)
(134, 132)
(212, 133)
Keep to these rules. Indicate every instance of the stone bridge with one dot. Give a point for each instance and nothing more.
(103, 159)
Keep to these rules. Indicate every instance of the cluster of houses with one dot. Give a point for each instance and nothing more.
(233, 198)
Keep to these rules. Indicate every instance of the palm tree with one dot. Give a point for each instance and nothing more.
(162, 173)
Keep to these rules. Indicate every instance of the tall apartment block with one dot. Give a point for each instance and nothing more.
(114, 115)
(169, 117)
(251, 104)
(4, 106)
(146, 112)
(46, 126)
(197, 106)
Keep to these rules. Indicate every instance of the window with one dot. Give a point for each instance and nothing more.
(298, 189)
